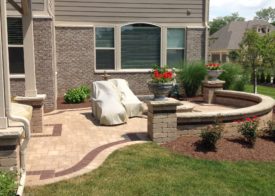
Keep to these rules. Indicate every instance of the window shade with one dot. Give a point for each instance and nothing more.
(104, 37)
(176, 38)
(15, 31)
(16, 59)
(140, 46)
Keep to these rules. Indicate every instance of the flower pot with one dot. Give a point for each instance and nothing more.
(214, 74)
(160, 90)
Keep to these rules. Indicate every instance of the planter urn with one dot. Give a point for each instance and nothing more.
(160, 90)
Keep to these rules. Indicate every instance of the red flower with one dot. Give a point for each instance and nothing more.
(248, 119)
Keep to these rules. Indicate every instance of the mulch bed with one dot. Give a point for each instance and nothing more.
(61, 105)
(231, 149)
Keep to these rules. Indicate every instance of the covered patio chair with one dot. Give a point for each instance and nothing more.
(106, 105)
(129, 100)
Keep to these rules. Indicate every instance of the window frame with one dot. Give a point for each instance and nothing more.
(117, 45)
(104, 48)
(17, 75)
(185, 42)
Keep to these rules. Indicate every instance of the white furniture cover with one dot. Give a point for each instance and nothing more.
(106, 105)
(131, 103)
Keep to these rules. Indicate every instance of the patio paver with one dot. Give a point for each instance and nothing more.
(73, 144)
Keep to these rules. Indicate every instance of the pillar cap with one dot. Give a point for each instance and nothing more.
(166, 102)
(11, 132)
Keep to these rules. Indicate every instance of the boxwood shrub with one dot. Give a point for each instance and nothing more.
(77, 95)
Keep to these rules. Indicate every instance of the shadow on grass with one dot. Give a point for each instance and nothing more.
(241, 141)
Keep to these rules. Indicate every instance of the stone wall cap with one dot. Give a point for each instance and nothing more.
(165, 102)
(11, 132)
(266, 104)
(40, 97)
(213, 82)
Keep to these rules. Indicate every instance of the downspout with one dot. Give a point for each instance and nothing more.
(26, 123)
(206, 16)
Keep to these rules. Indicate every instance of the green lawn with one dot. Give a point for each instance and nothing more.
(269, 91)
(147, 169)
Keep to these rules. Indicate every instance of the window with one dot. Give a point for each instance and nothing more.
(140, 46)
(175, 46)
(16, 50)
(105, 48)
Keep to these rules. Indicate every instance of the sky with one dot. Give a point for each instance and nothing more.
(245, 8)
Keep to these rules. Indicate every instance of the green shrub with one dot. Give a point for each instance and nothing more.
(239, 83)
(258, 78)
(211, 135)
(7, 184)
(191, 75)
(86, 90)
(75, 95)
(268, 78)
(249, 128)
(231, 74)
(270, 131)
(262, 78)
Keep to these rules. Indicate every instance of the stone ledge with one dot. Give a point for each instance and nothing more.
(34, 101)
(11, 132)
(166, 103)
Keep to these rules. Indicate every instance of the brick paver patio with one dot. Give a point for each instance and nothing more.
(73, 143)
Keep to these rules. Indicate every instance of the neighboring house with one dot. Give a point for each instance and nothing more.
(230, 36)
(77, 40)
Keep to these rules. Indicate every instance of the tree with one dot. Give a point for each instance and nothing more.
(267, 14)
(220, 22)
(234, 56)
(250, 52)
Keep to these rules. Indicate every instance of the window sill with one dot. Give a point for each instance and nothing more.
(124, 71)
(17, 76)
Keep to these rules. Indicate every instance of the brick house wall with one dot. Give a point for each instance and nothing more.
(75, 54)
(75, 61)
(45, 78)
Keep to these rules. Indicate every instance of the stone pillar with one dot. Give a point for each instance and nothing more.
(29, 60)
(38, 111)
(9, 148)
(162, 120)
(209, 88)
(3, 64)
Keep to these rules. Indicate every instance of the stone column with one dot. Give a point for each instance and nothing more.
(3, 118)
(209, 88)
(9, 149)
(29, 60)
(162, 120)
(38, 111)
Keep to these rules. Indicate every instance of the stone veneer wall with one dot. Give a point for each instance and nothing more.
(44, 60)
(17, 86)
(137, 81)
(75, 61)
(195, 44)
(75, 57)
(45, 78)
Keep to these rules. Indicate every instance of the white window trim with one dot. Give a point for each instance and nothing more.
(179, 48)
(103, 48)
(117, 46)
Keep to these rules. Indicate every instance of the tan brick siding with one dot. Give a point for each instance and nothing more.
(74, 48)
(44, 67)
(195, 44)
